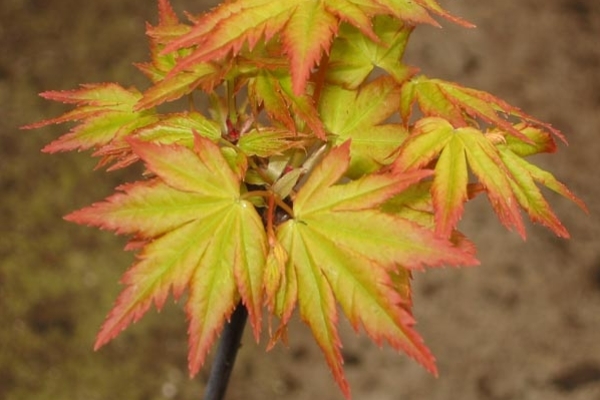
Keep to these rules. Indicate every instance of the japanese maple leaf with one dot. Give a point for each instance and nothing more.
(354, 56)
(168, 88)
(341, 247)
(199, 236)
(508, 180)
(106, 112)
(459, 105)
(359, 115)
(306, 28)
(170, 128)
(525, 176)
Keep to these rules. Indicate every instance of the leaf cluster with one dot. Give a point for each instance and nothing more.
(323, 173)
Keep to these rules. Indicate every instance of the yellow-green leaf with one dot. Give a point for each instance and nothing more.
(359, 115)
(342, 247)
(200, 235)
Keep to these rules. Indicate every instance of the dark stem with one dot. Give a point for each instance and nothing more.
(226, 352)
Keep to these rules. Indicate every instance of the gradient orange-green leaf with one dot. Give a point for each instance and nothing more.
(508, 180)
(306, 28)
(459, 105)
(204, 238)
(458, 147)
(106, 112)
(342, 247)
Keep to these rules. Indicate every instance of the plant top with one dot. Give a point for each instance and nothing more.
(323, 172)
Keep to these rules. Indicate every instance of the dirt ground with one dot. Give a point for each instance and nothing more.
(523, 326)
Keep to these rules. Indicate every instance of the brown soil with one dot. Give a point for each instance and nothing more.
(523, 325)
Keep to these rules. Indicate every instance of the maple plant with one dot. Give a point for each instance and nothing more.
(323, 171)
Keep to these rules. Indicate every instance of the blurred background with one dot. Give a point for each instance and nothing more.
(523, 325)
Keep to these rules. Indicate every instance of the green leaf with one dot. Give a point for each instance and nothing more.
(202, 237)
(106, 112)
(449, 189)
(538, 141)
(496, 162)
(458, 147)
(180, 128)
(169, 88)
(354, 56)
(341, 246)
(360, 115)
(486, 164)
(306, 28)
(524, 178)
(458, 105)
(529, 196)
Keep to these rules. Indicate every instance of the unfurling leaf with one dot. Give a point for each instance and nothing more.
(274, 92)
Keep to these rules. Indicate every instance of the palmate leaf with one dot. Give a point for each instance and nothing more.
(106, 112)
(354, 56)
(359, 115)
(342, 248)
(202, 75)
(525, 176)
(460, 105)
(180, 128)
(508, 180)
(200, 236)
(170, 128)
(433, 137)
(306, 28)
